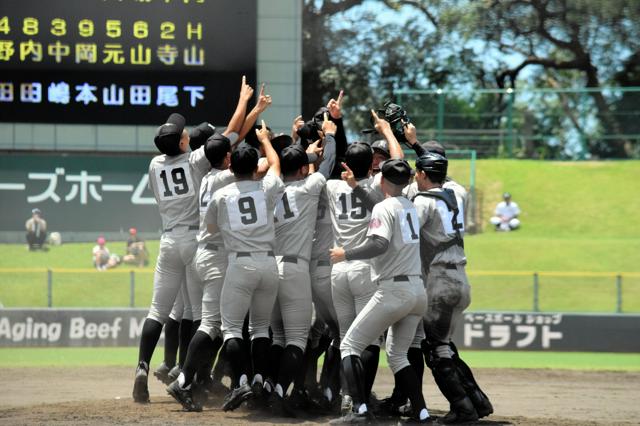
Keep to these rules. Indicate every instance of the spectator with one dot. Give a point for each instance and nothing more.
(506, 214)
(137, 253)
(36, 228)
(102, 259)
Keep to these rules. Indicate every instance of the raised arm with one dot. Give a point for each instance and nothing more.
(384, 128)
(329, 144)
(237, 119)
(412, 138)
(270, 153)
(264, 101)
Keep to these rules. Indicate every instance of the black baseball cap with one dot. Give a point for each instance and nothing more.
(506, 195)
(397, 171)
(218, 145)
(293, 157)
(280, 142)
(434, 146)
(359, 157)
(199, 135)
(244, 159)
(252, 139)
(168, 135)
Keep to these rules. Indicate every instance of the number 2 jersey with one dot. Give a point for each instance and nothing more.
(175, 183)
(243, 211)
(396, 220)
(436, 226)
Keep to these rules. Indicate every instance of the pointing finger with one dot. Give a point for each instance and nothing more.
(340, 97)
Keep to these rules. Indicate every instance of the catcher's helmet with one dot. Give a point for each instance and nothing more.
(381, 146)
(432, 163)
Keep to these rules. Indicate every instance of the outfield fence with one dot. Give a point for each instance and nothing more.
(532, 291)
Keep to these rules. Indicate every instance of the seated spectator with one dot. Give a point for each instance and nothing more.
(137, 253)
(102, 259)
(506, 214)
(36, 230)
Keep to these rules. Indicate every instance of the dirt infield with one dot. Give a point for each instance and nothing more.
(91, 396)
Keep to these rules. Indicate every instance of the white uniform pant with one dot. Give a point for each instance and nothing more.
(250, 283)
(291, 318)
(175, 265)
(505, 226)
(397, 305)
(211, 265)
(351, 289)
(321, 294)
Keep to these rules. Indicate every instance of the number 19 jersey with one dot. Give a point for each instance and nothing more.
(243, 211)
(175, 183)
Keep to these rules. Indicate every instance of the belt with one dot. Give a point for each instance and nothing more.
(451, 266)
(323, 263)
(210, 246)
(247, 254)
(290, 259)
(191, 228)
(401, 278)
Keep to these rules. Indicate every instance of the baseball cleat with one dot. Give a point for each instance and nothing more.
(140, 384)
(354, 418)
(174, 373)
(162, 373)
(236, 397)
(415, 420)
(183, 396)
(387, 407)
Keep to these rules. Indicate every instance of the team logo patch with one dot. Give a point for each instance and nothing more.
(375, 223)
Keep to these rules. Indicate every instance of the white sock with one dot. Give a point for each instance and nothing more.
(424, 414)
(243, 380)
(362, 409)
(279, 390)
(328, 394)
(257, 379)
(268, 387)
(181, 381)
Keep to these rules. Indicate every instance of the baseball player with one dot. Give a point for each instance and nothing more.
(380, 154)
(399, 302)
(320, 271)
(243, 213)
(443, 261)
(174, 179)
(211, 264)
(295, 217)
(351, 283)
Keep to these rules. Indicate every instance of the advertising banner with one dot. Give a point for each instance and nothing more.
(77, 193)
(486, 331)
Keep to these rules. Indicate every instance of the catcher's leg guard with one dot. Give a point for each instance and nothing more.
(478, 397)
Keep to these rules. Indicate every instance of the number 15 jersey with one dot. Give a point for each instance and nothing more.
(243, 211)
(349, 216)
(175, 183)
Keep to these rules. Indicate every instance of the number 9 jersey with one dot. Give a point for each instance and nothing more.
(175, 182)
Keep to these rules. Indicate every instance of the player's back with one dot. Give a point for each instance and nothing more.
(436, 222)
(175, 182)
(211, 182)
(295, 216)
(396, 220)
(349, 216)
(244, 212)
(323, 234)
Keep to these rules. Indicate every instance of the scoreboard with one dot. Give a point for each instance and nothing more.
(124, 61)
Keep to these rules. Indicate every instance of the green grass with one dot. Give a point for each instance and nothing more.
(78, 357)
(577, 216)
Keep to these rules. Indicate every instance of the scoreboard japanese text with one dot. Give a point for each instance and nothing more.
(124, 61)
